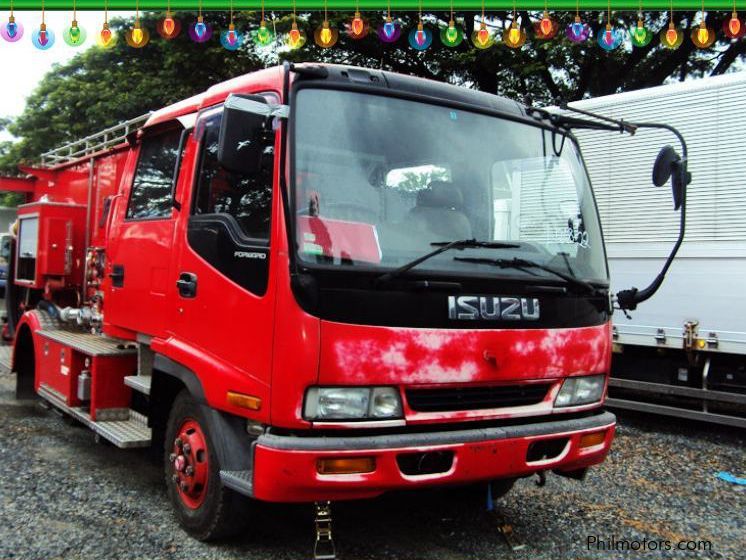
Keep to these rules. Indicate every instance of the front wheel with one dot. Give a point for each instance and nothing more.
(203, 506)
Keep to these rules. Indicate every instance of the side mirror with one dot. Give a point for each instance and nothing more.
(667, 165)
(243, 129)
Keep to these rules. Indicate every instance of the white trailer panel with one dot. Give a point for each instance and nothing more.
(706, 282)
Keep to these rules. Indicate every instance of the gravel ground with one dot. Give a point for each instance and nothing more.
(64, 496)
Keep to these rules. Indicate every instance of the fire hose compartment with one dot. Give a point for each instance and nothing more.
(430, 462)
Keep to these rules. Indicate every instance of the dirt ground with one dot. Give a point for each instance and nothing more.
(64, 496)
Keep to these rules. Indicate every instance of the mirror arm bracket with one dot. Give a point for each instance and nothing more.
(256, 107)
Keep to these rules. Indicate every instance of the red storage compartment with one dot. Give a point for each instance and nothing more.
(51, 244)
(59, 368)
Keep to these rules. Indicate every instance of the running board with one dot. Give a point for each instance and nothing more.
(140, 383)
(240, 481)
(133, 432)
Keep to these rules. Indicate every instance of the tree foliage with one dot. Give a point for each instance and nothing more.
(99, 88)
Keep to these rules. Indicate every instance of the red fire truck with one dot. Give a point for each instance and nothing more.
(316, 283)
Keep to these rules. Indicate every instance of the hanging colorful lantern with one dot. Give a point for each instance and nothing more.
(199, 31)
(420, 38)
(578, 31)
(514, 37)
(295, 38)
(168, 27)
(106, 38)
(43, 38)
(390, 30)
(546, 28)
(325, 35)
(703, 37)
(358, 27)
(230, 38)
(138, 36)
(11, 30)
(74, 35)
(451, 36)
(263, 36)
(482, 38)
(734, 27)
(610, 38)
(672, 38)
(640, 35)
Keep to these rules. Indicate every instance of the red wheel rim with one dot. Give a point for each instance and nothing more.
(190, 467)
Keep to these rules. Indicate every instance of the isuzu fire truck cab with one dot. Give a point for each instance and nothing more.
(317, 283)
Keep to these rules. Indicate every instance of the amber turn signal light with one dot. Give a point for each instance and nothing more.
(244, 401)
(589, 440)
(345, 465)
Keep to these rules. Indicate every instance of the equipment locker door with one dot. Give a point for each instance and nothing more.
(224, 297)
(141, 236)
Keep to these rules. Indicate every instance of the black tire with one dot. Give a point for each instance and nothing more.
(223, 512)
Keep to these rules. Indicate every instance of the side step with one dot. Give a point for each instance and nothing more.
(240, 481)
(132, 432)
(139, 383)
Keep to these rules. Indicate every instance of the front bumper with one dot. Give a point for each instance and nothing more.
(285, 467)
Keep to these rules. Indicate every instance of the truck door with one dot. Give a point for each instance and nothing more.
(141, 236)
(224, 299)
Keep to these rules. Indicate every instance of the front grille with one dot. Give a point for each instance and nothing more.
(476, 398)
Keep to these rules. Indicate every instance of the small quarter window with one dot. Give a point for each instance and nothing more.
(154, 178)
(248, 198)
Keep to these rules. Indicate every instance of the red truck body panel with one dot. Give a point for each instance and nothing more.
(271, 349)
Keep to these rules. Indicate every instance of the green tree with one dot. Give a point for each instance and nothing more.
(99, 87)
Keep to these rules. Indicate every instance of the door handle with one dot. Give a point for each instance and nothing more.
(117, 275)
(187, 285)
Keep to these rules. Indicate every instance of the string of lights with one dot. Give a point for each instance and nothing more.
(515, 31)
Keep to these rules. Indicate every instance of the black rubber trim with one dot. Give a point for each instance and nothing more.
(227, 432)
(183, 374)
(342, 443)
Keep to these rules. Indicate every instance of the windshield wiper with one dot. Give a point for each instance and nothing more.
(522, 264)
(443, 246)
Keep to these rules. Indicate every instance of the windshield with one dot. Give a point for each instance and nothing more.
(379, 180)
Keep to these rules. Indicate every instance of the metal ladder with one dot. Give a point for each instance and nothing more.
(107, 138)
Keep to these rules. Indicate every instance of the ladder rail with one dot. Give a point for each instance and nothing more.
(93, 143)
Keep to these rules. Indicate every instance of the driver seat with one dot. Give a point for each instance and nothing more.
(439, 213)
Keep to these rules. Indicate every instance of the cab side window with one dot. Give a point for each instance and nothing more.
(151, 195)
(229, 225)
(246, 198)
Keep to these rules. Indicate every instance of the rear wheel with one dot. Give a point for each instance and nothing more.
(205, 508)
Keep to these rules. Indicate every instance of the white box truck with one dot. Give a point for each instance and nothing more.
(683, 353)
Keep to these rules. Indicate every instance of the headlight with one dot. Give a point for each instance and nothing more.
(581, 390)
(352, 403)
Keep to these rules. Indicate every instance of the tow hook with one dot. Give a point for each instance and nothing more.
(541, 479)
(323, 549)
